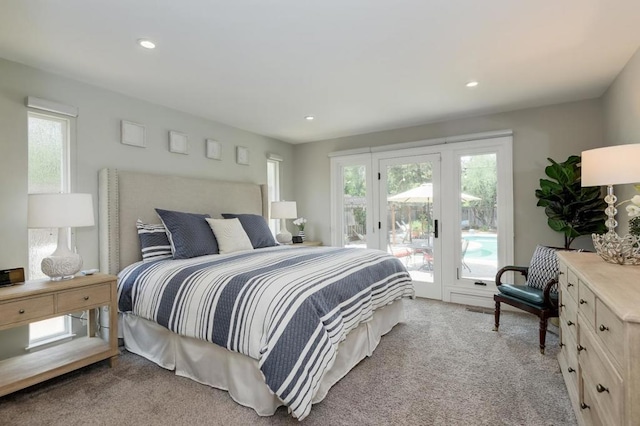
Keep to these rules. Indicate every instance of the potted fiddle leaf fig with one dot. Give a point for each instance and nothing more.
(571, 209)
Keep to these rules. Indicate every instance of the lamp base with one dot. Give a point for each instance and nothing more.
(616, 249)
(61, 267)
(284, 237)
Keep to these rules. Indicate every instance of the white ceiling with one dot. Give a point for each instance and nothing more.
(358, 65)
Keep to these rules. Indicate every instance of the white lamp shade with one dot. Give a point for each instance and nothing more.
(60, 210)
(612, 165)
(284, 210)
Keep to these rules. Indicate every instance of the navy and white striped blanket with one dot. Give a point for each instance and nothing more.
(287, 308)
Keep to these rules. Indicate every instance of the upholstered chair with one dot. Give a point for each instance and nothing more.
(538, 295)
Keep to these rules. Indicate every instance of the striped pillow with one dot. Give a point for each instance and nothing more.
(154, 243)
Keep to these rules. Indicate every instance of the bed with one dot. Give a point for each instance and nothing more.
(320, 311)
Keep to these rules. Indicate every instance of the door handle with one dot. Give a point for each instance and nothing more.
(435, 228)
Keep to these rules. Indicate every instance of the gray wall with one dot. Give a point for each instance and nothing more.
(98, 146)
(621, 108)
(555, 131)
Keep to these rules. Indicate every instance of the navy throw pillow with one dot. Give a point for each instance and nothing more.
(189, 234)
(256, 228)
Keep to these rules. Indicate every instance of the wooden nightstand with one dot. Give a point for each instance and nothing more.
(42, 299)
(308, 244)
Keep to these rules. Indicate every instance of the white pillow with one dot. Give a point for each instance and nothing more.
(230, 234)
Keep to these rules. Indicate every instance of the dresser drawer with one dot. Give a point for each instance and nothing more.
(601, 381)
(569, 371)
(562, 274)
(587, 303)
(26, 309)
(572, 284)
(610, 329)
(589, 411)
(570, 343)
(569, 314)
(84, 297)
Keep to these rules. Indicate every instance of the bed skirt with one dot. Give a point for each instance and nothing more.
(239, 374)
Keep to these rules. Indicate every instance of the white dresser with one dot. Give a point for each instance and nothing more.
(600, 338)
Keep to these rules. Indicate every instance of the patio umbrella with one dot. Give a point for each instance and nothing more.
(420, 194)
(424, 194)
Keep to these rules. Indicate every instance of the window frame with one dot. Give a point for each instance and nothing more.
(66, 185)
(273, 191)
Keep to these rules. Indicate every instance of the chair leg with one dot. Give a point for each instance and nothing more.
(543, 332)
(496, 314)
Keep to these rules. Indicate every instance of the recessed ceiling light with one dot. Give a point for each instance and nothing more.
(147, 44)
(309, 117)
(472, 84)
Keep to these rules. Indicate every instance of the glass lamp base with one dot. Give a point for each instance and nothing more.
(616, 249)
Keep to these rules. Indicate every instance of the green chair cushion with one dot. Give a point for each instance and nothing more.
(525, 292)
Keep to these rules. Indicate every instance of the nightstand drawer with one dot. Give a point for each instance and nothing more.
(610, 330)
(26, 309)
(84, 297)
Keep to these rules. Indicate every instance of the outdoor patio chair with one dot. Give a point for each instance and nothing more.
(465, 245)
(538, 295)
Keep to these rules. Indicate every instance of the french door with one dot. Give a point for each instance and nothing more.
(446, 211)
(408, 213)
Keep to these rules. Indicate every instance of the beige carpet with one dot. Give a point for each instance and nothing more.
(443, 367)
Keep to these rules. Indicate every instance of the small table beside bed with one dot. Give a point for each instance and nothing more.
(271, 325)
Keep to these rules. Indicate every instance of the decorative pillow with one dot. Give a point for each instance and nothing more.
(230, 235)
(154, 242)
(189, 234)
(543, 267)
(256, 228)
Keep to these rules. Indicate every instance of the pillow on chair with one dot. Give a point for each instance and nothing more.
(543, 268)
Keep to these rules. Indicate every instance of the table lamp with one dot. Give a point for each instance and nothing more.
(613, 165)
(60, 211)
(284, 210)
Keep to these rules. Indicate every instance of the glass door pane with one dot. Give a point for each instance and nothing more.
(409, 191)
(478, 217)
(354, 206)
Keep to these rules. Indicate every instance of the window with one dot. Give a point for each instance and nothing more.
(273, 185)
(351, 195)
(48, 171)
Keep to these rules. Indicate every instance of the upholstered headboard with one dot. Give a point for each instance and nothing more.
(125, 197)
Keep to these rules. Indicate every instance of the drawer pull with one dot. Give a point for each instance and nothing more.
(601, 388)
(21, 311)
(603, 327)
(584, 406)
(581, 348)
(561, 344)
(571, 370)
(86, 298)
(583, 302)
(562, 305)
(560, 273)
(570, 322)
(569, 285)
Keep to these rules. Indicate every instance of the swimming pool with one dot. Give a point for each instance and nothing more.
(482, 246)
